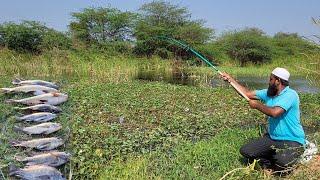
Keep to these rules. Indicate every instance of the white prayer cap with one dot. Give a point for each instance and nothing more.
(281, 73)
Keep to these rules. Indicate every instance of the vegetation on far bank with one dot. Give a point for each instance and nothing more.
(121, 126)
(123, 119)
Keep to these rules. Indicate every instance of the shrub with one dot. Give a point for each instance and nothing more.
(54, 39)
(31, 36)
(249, 45)
(21, 37)
(289, 44)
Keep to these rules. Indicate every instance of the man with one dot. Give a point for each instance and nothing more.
(282, 146)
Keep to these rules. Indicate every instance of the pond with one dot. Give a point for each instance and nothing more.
(299, 84)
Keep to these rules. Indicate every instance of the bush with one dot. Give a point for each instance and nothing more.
(112, 48)
(54, 39)
(2, 42)
(249, 45)
(21, 37)
(31, 36)
(289, 44)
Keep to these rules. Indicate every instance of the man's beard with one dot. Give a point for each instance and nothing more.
(272, 90)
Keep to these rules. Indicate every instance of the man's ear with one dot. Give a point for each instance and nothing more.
(277, 81)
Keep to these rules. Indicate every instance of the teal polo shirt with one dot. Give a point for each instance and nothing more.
(287, 126)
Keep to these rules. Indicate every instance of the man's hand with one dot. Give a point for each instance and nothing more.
(226, 77)
(274, 112)
(254, 104)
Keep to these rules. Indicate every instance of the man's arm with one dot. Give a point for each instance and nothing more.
(250, 94)
(269, 111)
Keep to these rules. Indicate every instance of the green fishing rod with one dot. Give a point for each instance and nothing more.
(197, 54)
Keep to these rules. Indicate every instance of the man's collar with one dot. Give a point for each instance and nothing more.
(284, 90)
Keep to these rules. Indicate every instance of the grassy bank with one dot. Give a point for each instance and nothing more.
(119, 126)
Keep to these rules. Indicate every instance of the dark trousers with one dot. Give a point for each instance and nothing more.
(272, 154)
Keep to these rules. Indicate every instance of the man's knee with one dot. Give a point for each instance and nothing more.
(246, 152)
(285, 161)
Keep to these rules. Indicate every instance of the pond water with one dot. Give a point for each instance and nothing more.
(297, 83)
(300, 84)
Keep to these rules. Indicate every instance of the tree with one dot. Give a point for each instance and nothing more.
(101, 25)
(289, 44)
(31, 36)
(21, 37)
(166, 19)
(248, 45)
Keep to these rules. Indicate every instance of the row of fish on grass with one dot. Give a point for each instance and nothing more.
(42, 106)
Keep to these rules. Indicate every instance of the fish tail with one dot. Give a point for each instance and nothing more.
(16, 128)
(20, 158)
(10, 101)
(13, 169)
(16, 81)
(6, 90)
(19, 108)
(18, 118)
(14, 143)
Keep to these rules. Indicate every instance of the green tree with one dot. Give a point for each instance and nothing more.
(248, 45)
(163, 18)
(101, 25)
(289, 44)
(31, 36)
(2, 33)
(21, 37)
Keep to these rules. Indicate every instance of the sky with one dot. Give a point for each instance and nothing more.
(271, 16)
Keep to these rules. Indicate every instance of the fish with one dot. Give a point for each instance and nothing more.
(37, 117)
(48, 98)
(53, 159)
(36, 172)
(43, 144)
(43, 128)
(34, 82)
(42, 108)
(34, 89)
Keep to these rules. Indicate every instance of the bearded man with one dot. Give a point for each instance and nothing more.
(284, 143)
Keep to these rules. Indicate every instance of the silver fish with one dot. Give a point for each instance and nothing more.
(43, 128)
(43, 144)
(37, 117)
(35, 89)
(36, 172)
(34, 82)
(42, 108)
(53, 159)
(49, 98)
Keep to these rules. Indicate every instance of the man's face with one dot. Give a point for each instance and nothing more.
(273, 86)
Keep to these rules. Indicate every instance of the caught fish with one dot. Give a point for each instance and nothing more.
(49, 98)
(36, 172)
(42, 108)
(53, 159)
(34, 82)
(37, 117)
(34, 89)
(43, 128)
(43, 144)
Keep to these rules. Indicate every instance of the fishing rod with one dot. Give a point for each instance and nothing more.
(196, 53)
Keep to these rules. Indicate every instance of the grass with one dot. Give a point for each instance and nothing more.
(119, 126)
(205, 159)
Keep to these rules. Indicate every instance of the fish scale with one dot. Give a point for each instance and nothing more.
(48, 98)
(37, 117)
(36, 172)
(43, 128)
(43, 144)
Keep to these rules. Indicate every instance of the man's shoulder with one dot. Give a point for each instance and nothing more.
(292, 92)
